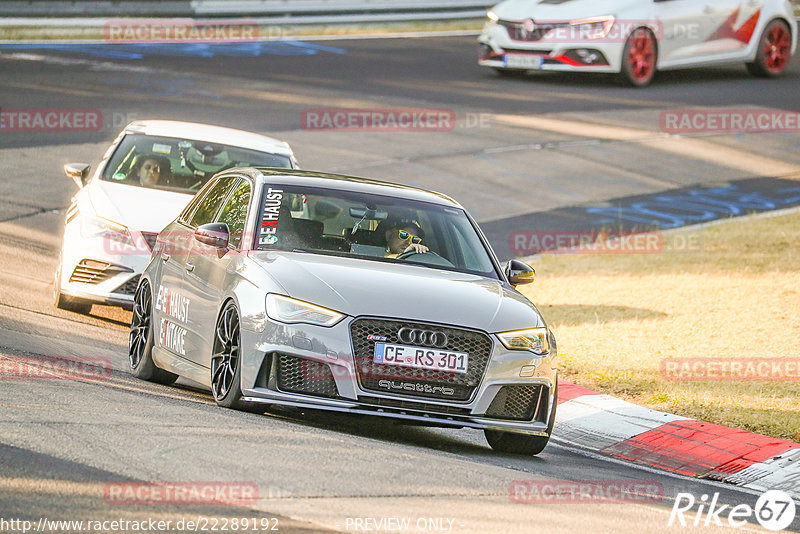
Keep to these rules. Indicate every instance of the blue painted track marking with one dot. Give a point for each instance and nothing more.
(205, 50)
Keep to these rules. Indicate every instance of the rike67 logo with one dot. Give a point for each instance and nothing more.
(775, 510)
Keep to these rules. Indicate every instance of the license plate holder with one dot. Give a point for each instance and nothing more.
(523, 61)
(428, 358)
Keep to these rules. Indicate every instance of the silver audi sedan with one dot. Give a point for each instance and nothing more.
(312, 290)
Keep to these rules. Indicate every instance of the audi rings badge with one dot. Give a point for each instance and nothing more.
(426, 338)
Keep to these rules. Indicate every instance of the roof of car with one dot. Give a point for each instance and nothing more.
(211, 134)
(350, 183)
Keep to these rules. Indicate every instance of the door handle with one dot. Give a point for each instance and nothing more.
(165, 257)
(190, 267)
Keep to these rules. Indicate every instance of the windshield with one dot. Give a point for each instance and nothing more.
(181, 165)
(371, 227)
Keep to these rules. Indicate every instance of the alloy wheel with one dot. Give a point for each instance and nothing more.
(140, 325)
(225, 359)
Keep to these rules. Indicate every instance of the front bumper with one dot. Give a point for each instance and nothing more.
(562, 56)
(329, 355)
(83, 275)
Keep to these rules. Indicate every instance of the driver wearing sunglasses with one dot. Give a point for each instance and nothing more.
(403, 236)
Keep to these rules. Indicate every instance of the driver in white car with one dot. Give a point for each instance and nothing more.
(402, 236)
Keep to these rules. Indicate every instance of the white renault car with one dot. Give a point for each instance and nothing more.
(636, 38)
(146, 177)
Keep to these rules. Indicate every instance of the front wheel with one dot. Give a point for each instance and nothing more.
(140, 343)
(514, 443)
(639, 58)
(226, 363)
(773, 52)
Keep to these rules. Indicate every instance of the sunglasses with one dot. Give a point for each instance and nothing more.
(403, 235)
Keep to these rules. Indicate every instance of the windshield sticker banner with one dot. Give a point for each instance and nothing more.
(269, 217)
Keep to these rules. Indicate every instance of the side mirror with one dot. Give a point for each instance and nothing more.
(214, 235)
(79, 172)
(519, 273)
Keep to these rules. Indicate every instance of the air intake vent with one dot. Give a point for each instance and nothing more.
(299, 375)
(517, 403)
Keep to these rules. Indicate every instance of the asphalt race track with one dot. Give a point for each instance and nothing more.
(519, 147)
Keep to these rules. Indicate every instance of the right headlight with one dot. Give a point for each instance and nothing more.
(491, 17)
(293, 311)
(533, 340)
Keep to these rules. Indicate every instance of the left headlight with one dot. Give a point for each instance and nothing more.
(491, 17)
(533, 340)
(593, 28)
(293, 311)
(96, 226)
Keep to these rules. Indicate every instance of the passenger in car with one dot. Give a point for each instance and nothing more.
(147, 170)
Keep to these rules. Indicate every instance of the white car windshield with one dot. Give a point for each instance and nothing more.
(372, 227)
(182, 165)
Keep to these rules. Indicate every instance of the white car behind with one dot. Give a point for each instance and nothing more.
(636, 38)
(113, 220)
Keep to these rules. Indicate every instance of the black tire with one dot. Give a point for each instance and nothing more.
(513, 443)
(639, 58)
(226, 363)
(64, 302)
(140, 340)
(774, 51)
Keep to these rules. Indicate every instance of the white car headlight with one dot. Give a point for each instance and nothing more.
(593, 28)
(95, 226)
(533, 340)
(292, 311)
(491, 17)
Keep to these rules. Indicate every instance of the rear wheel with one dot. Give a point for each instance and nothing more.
(64, 302)
(514, 443)
(773, 52)
(140, 341)
(639, 58)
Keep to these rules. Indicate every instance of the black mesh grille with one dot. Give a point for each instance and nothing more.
(518, 403)
(418, 382)
(129, 287)
(299, 375)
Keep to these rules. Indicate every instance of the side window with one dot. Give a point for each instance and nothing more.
(188, 211)
(235, 212)
(208, 207)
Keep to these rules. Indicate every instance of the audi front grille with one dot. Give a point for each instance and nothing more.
(412, 382)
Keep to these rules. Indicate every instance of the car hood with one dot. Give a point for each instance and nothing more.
(554, 10)
(370, 288)
(138, 208)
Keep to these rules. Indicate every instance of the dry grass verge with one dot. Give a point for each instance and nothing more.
(616, 317)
